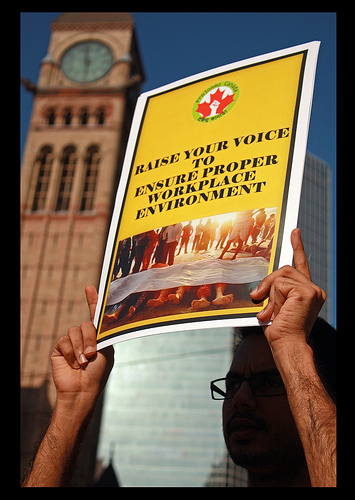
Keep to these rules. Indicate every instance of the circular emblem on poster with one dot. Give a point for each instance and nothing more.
(216, 101)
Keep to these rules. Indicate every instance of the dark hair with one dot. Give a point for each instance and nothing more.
(322, 339)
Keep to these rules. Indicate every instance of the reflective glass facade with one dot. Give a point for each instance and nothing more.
(315, 221)
(158, 411)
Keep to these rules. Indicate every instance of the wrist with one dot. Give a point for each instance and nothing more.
(293, 360)
(73, 412)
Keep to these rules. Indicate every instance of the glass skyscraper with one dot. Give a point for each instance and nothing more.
(315, 222)
(158, 410)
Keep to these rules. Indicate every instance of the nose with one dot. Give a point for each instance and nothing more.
(244, 398)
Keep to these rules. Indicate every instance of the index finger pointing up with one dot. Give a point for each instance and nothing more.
(299, 257)
(91, 297)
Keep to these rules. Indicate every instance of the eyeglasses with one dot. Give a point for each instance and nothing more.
(267, 384)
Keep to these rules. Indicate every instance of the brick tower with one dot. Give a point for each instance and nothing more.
(83, 104)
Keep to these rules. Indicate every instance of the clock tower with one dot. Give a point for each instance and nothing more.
(83, 105)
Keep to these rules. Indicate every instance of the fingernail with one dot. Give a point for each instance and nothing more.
(255, 290)
(82, 359)
(76, 364)
(89, 350)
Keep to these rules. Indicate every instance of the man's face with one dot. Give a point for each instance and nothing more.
(259, 431)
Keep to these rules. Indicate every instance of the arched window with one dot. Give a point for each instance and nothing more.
(92, 169)
(66, 181)
(84, 117)
(51, 116)
(67, 117)
(45, 164)
(100, 117)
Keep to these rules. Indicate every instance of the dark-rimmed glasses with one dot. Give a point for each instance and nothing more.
(267, 384)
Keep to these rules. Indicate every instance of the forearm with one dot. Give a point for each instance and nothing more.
(313, 411)
(55, 459)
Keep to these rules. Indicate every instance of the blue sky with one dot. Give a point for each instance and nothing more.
(178, 44)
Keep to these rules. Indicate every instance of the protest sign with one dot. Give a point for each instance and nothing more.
(208, 197)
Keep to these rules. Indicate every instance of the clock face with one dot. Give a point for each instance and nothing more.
(86, 61)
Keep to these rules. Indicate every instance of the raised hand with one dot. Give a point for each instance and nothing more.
(79, 371)
(294, 301)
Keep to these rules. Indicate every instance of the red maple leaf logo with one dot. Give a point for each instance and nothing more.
(205, 109)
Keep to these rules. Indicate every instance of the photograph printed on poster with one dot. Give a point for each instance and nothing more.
(208, 264)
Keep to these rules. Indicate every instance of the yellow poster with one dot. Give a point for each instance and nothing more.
(208, 197)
